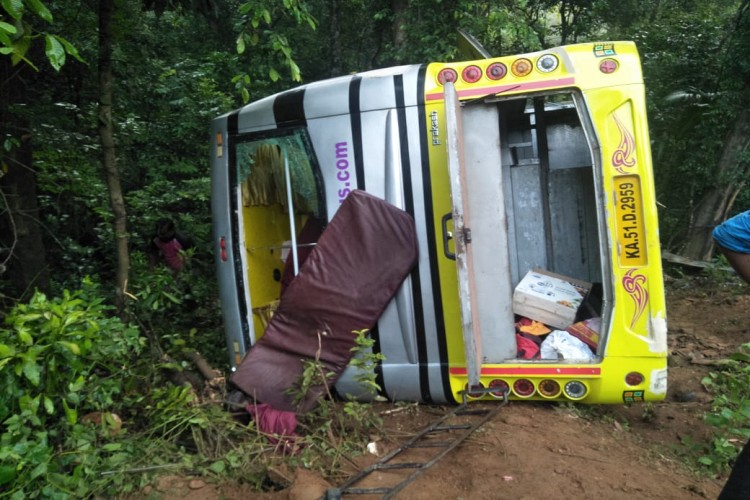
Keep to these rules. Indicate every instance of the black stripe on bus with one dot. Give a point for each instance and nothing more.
(424, 383)
(356, 117)
(232, 131)
(359, 171)
(289, 108)
(440, 333)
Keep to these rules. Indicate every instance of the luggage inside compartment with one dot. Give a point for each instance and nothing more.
(553, 210)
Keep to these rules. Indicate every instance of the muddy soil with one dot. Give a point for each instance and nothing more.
(542, 451)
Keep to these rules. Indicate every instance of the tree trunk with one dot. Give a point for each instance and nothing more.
(335, 37)
(400, 21)
(716, 204)
(565, 23)
(22, 251)
(109, 160)
(26, 264)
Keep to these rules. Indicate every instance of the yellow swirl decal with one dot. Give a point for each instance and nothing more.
(634, 285)
(623, 155)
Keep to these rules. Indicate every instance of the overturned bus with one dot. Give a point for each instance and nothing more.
(526, 179)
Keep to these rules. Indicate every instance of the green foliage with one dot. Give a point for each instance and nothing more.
(365, 361)
(333, 431)
(178, 68)
(202, 437)
(257, 31)
(694, 92)
(182, 310)
(721, 275)
(17, 33)
(730, 411)
(60, 359)
(83, 413)
(179, 313)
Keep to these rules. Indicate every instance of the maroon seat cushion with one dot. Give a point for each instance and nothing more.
(358, 264)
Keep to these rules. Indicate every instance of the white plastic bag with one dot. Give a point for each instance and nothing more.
(561, 344)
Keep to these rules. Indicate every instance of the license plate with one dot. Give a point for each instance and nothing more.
(631, 240)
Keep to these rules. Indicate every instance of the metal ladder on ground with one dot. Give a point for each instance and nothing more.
(399, 468)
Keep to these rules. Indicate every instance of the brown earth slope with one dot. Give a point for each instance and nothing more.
(546, 451)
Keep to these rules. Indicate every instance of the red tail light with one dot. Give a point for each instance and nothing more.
(447, 75)
(634, 378)
(223, 249)
(475, 391)
(471, 74)
(501, 386)
(523, 387)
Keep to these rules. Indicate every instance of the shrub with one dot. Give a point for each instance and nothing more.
(730, 411)
(60, 360)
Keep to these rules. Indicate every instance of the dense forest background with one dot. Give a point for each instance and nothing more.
(98, 145)
(104, 115)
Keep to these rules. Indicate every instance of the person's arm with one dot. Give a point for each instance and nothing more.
(740, 262)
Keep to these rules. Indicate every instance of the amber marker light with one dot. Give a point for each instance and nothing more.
(549, 388)
(521, 67)
(219, 145)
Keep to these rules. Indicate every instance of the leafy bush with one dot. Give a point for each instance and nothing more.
(60, 361)
(84, 409)
(730, 412)
(182, 310)
(333, 431)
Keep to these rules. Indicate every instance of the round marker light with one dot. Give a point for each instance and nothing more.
(447, 75)
(547, 63)
(471, 74)
(634, 378)
(523, 387)
(575, 389)
(475, 391)
(496, 71)
(501, 388)
(608, 66)
(521, 67)
(549, 388)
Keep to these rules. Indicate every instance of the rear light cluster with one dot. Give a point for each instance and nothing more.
(526, 388)
(497, 71)
(546, 388)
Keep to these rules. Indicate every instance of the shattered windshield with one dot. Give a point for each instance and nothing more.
(262, 173)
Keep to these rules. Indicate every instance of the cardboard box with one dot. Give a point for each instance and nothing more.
(551, 298)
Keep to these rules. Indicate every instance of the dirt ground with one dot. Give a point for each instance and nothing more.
(543, 451)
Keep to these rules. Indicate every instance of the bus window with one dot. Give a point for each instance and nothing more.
(281, 209)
